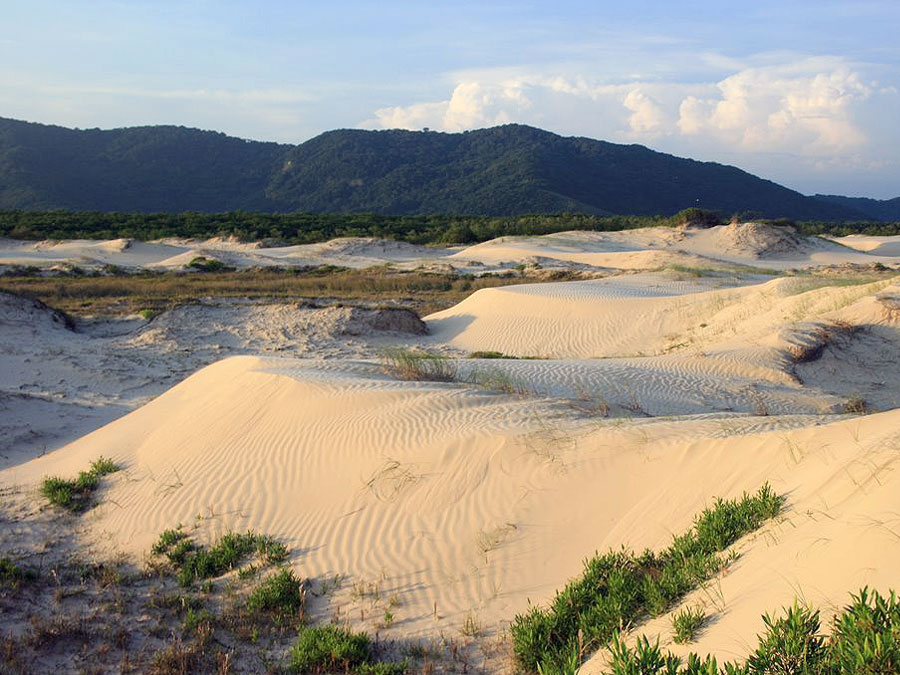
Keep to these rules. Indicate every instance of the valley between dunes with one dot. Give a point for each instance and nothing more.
(693, 367)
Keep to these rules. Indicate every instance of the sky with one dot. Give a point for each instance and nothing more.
(805, 93)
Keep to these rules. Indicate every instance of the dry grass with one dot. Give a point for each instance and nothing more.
(125, 294)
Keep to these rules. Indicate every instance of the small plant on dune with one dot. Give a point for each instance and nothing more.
(75, 495)
(864, 640)
(330, 649)
(13, 576)
(281, 595)
(195, 562)
(621, 587)
(412, 364)
(686, 623)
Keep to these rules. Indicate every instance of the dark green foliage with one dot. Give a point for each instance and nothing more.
(686, 623)
(75, 495)
(203, 264)
(321, 649)
(620, 587)
(505, 170)
(12, 575)
(280, 595)
(865, 640)
(194, 562)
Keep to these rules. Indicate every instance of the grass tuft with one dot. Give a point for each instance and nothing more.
(281, 595)
(620, 587)
(330, 649)
(865, 639)
(75, 495)
(686, 623)
(412, 364)
(194, 562)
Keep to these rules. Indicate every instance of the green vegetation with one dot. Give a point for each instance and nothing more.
(620, 587)
(329, 649)
(686, 622)
(864, 640)
(75, 495)
(204, 264)
(194, 562)
(415, 364)
(508, 169)
(281, 595)
(12, 575)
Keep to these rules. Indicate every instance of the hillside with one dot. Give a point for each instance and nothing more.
(877, 209)
(504, 170)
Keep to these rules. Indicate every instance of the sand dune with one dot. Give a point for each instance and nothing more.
(479, 502)
(660, 391)
(642, 249)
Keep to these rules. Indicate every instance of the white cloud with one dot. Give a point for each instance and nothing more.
(783, 109)
(647, 117)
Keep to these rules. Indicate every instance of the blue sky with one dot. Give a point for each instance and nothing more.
(804, 93)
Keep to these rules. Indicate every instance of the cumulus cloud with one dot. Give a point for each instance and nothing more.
(647, 117)
(773, 108)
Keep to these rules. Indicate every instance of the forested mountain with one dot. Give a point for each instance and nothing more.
(875, 209)
(509, 169)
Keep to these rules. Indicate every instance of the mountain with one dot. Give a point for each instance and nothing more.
(503, 170)
(874, 209)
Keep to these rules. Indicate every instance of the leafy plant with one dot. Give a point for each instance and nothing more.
(686, 623)
(281, 595)
(620, 587)
(75, 495)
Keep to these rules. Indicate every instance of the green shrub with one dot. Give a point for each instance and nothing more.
(620, 587)
(280, 595)
(194, 562)
(75, 495)
(686, 623)
(321, 649)
(12, 575)
(865, 640)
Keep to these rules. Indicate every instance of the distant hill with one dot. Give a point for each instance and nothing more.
(511, 169)
(876, 209)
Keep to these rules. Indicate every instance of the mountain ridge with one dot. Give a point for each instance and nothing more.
(506, 170)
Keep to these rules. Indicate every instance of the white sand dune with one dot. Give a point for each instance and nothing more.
(641, 249)
(479, 502)
(463, 501)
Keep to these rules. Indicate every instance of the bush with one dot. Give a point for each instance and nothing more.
(321, 649)
(75, 495)
(280, 595)
(620, 587)
(193, 562)
(686, 623)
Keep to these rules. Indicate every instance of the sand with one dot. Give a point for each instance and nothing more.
(655, 392)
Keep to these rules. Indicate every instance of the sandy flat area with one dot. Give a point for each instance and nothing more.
(633, 401)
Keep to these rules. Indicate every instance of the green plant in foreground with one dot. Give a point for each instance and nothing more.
(194, 562)
(864, 640)
(686, 623)
(281, 595)
(328, 649)
(12, 575)
(75, 495)
(621, 587)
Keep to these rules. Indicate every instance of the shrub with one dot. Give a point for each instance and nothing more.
(193, 562)
(321, 649)
(75, 495)
(686, 623)
(13, 575)
(280, 595)
(620, 587)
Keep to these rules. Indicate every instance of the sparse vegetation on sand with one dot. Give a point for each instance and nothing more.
(417, 364)
(331, 648)
(621, 587)
(686, 622)
(155, 291)
(865, 639)
(194, 562)
(75, 495)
